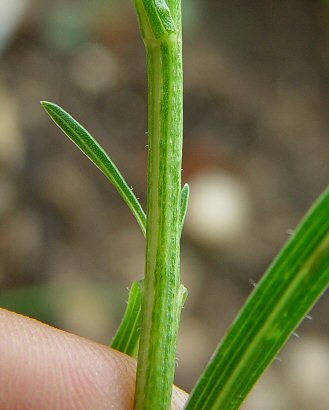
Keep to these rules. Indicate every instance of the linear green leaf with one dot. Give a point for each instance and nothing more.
(293, 283)
(184, 198)
(126, 339)
(155, 19)
(183, 293)
(91, 148)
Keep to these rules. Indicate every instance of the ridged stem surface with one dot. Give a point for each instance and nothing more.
(160, 24)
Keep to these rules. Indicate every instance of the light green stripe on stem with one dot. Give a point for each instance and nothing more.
(161, 303)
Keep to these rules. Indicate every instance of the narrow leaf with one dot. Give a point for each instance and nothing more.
(183, 293)
(185, 196)
(90, 147)
(293, 283)
(155, 19)
(126, 339)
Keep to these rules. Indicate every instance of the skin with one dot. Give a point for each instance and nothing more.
(45, 368)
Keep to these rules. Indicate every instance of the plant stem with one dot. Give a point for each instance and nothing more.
(161, 304)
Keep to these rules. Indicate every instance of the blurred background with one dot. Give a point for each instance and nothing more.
(256, 156)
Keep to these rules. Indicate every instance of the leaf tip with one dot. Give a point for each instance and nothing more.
(186, 189)
(44, 103)
(48, 106)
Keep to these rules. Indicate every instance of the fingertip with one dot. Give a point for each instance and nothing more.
(47, 368)
(54, 369)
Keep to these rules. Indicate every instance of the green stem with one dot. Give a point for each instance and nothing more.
(161, 304)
